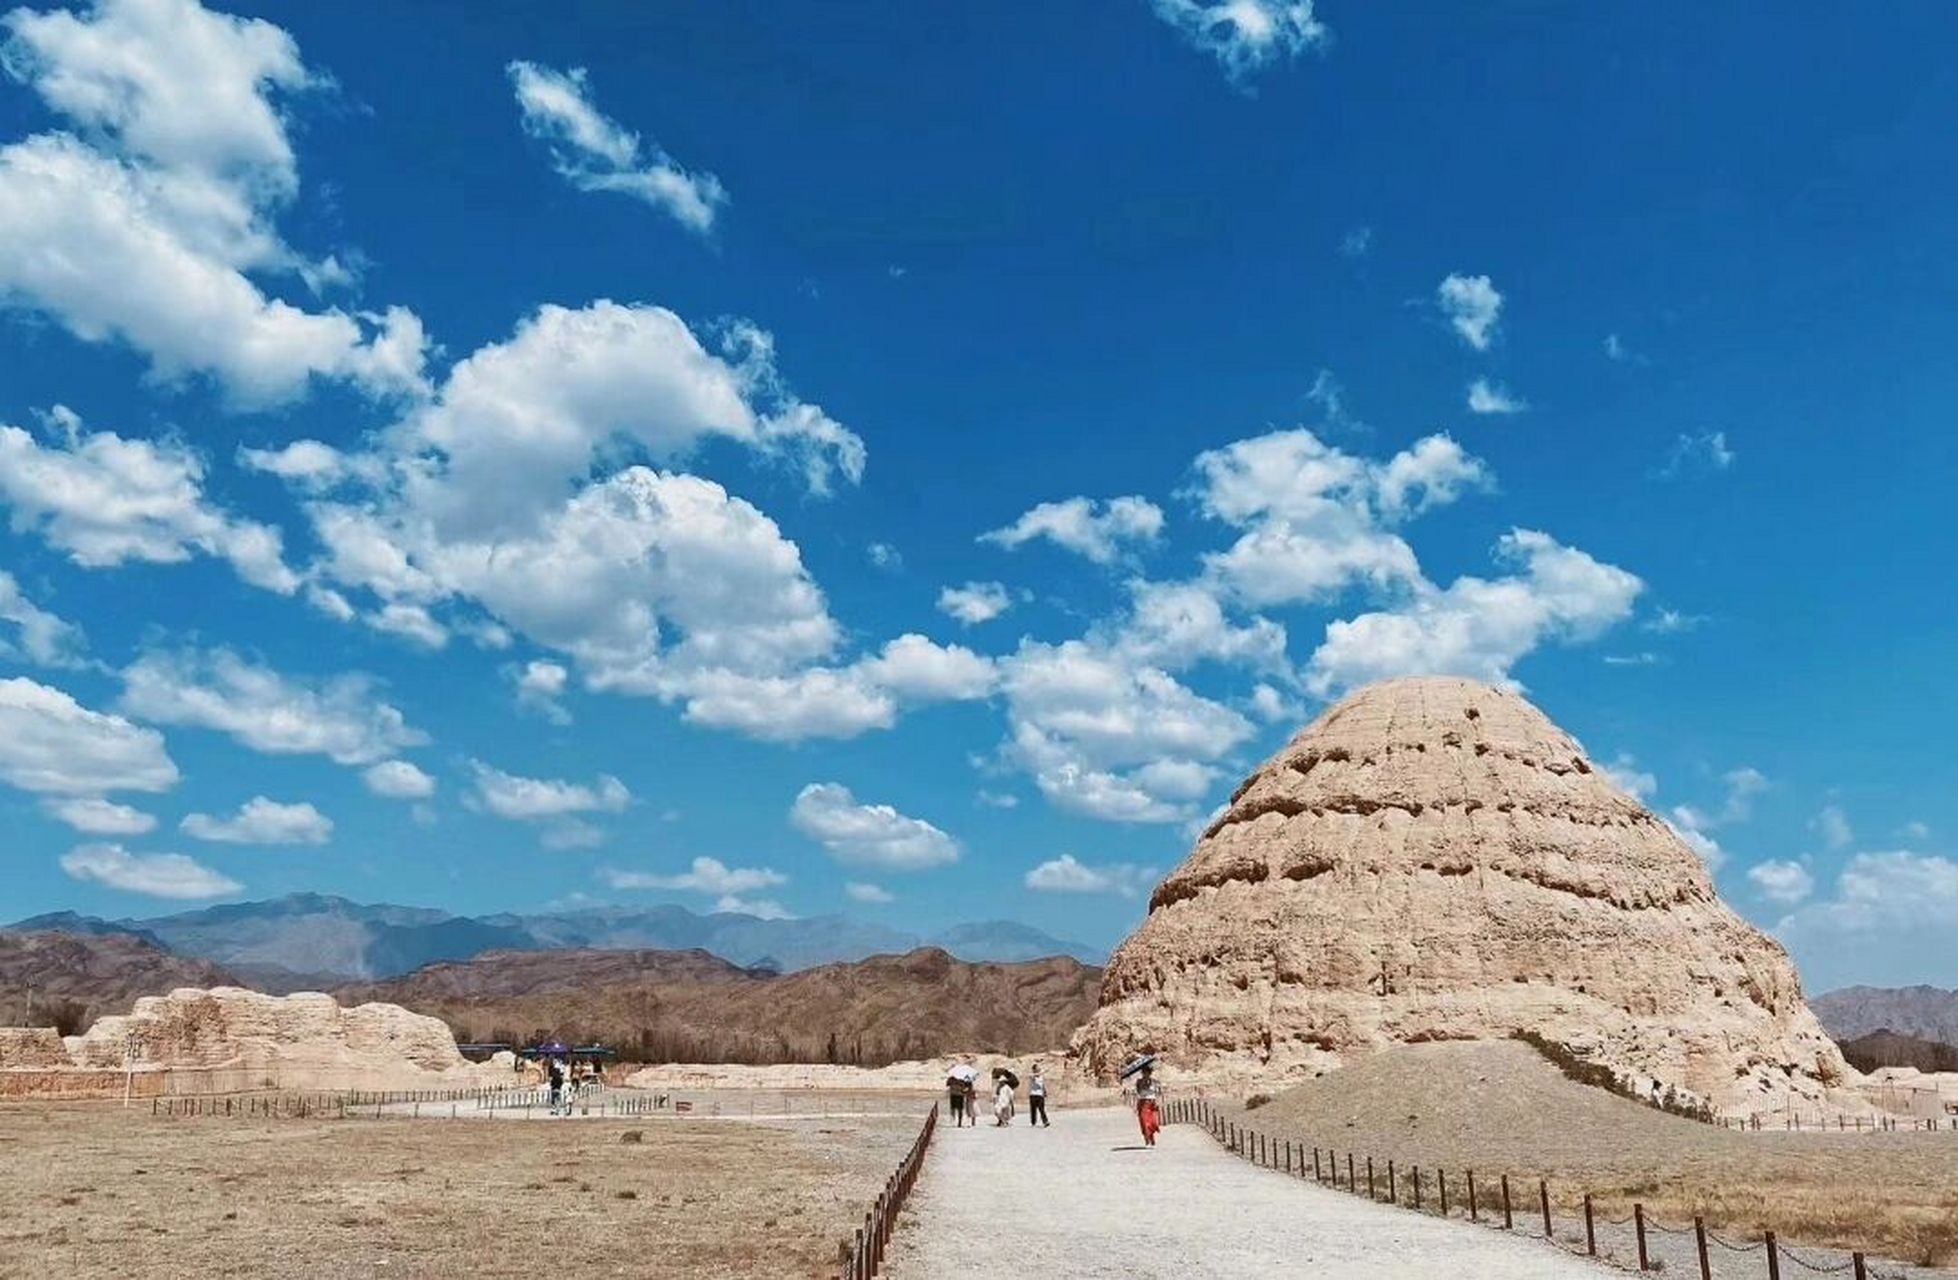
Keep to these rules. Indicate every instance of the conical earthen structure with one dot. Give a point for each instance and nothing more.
(1434, 859)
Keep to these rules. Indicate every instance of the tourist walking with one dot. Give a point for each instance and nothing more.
(1147, 1091)
(955, 1096)
(1003, 1102)
(555, 1073)
(1037, 1099)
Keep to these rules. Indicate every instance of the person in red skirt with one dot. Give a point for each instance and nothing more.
(1147, 1094)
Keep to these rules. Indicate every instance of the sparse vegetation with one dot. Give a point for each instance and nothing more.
(1598, 1076)
(1256, 1100)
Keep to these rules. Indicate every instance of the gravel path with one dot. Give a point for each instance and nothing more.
(1085, 1199)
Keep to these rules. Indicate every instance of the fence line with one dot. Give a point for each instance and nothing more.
(1287, 1156)
(865, 1252)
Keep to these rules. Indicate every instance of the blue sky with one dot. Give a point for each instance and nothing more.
(489, 461)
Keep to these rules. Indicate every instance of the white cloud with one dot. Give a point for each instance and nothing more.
(1743, 785)
(1690, 825)
(917, 669)
(875, 835)
(1319, 519)
(508, 795)
(706, 875)
(1615, 348)
(265, 822)
(1635, 782)
(1485, 396)
(571, 833)
(1888, 920)
(40, 636)
(105, 500)
(593, 152)
(166, 207)
(1480, 627)
(1176, 625)
(875, 895)
(398, 780)
(975, 602)
(1273, 707)
(339, 717)
(1472, 305)
(1833, 825)
(539, 686)
(1917, 831)
(1245, 35)
(1067, 874)
(998, 799)
(760, 908)
(1357, 243)
(1100, 531)
(411, 622)
(159, 875)
(1671, 622)
(1703, 454)
(95, 816)
(1781, 881)
(885, 556)
(1110, 737)
(307, 463)
(52, 744)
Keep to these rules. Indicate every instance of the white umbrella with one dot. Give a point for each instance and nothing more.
(964, 1071)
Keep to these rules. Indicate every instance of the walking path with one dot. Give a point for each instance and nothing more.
(1086, 1199)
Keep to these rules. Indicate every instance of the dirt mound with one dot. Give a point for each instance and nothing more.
(76, 978)
(1433, 859)
(1500, 1107)
(689, 1006)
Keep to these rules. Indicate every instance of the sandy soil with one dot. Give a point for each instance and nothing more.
(1497, 1107)
(93, 1191)
(1085, 1199)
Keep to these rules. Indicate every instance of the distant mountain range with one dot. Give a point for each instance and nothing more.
(1925, 1013)
(310, 940)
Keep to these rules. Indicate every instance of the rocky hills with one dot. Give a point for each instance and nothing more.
(1926, 1013)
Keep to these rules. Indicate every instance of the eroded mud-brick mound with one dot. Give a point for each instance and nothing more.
(1434, 859)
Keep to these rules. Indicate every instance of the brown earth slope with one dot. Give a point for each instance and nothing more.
(1498, 1107)
(76, 978)
(689, 1006)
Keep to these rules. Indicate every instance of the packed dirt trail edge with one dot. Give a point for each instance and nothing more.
(1085, 1199)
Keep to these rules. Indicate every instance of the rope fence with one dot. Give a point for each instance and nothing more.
(864, 1253)
(1437, 1191)
(529, 1102)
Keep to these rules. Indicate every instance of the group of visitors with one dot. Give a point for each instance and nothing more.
(565, 1080)
(962, 1096)
(1141, 1090)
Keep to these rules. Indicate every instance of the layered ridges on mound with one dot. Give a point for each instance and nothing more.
(1433, 859)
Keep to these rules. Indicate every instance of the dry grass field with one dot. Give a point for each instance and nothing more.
(90, 1190)
(1498, 1107)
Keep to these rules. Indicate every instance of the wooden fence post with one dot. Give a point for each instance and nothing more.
(1473, 1216)
(1393, 1192)
(1774, 1257)
(1441, 1185)
(1543, 1194)
(1638, 1226)
(1590, 1230)
(1508, 1222)
(1372, 1192)
(1417, 1186)
(1699, 1238)
(1316, 1176)
(1857, 1260)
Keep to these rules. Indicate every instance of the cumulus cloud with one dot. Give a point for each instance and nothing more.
(521, 799)
(263, 821)
(39, 636)
(1625, 774)
(1781, 881)
(52, 744)
(105, 501)
(539, 686)
(872, 894)
(1472, 306)
(339, 717)
(1832, 824)
(398, 780)
(92, 815)
(874, 835)
(1105, 735)
(1246, 35)
(975, 602)
(1100, 531)
(593, 152)
(1888, 920)
(1318, 519)
(1705, 453)
(1480, 627)
(158, 875)
(1485, 396)
(1067, 874)
(167, 204)
(706, 875)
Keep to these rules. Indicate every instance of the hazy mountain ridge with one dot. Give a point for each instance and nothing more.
(310, 940)
(68, 978)
(1921, 1012)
